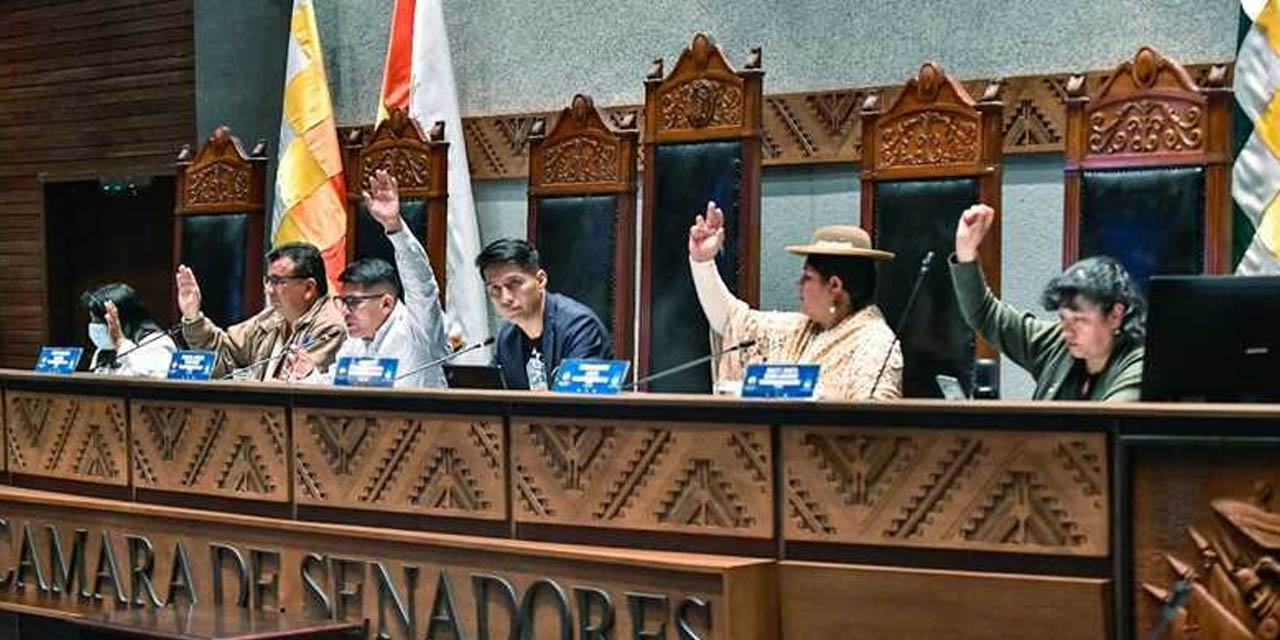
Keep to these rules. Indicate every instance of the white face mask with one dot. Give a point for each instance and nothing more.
(100, 336)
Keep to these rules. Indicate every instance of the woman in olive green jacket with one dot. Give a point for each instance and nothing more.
(1093, 352)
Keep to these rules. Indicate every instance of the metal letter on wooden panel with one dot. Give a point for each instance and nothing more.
(415, 463)
(677, 477)
(229, 450)
(67, 437)
(976, 490)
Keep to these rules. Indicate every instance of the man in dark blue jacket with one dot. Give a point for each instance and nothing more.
(542, 328)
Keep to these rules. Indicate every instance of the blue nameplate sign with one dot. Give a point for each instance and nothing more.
(192, 365)
(60, 360)
(365, 371)
(780, 381)
(592, 375)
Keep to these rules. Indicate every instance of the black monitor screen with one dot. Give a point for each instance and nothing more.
(1214, 338)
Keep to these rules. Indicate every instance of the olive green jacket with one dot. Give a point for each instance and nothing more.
(1037, 345)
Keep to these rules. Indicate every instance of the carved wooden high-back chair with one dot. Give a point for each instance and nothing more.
(582, 213)
(1148, 169)
(926, 158)
(420, 164)
(702, 133)
(219, 227)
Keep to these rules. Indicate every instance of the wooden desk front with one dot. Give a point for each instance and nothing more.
(696, 517)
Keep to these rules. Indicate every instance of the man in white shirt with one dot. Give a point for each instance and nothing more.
(378, 324)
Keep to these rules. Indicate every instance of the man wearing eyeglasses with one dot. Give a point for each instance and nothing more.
(300, 316)
(378, 324)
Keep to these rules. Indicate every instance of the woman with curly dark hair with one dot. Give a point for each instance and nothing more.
(1095, 349)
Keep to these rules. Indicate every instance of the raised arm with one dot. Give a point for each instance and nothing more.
(706, 237)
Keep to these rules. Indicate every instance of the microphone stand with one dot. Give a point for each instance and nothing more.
(902, 317)
(692, 363)
(151, 338)
(443, 359)
(306, 344)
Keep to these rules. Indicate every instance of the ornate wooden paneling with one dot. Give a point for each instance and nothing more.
(87, 90)
(675, 477)
(67, 437)
(228, 450)
(1206, 541)
(414, 463)
(855, 602)
(977, 490)
(811, 127)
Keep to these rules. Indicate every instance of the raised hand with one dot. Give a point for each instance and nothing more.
(706, 236)
(972, 228)
(188, 293)
(382, 199)
(112, 317)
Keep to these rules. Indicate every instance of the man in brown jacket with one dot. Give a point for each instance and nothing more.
(300, 314)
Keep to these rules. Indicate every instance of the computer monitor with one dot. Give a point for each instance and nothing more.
(474, 376)
(1213, 338)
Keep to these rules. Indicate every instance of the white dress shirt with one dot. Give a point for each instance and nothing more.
(414, 332)
(150, 360)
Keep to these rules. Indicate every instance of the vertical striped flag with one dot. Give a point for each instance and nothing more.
(310, 195)
(1255, 177)
(419, 76)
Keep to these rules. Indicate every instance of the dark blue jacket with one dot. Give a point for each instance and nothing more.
(569, 330)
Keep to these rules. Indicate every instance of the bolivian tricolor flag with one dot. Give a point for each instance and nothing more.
(419, 77)
(309, 188)
(1255, 178)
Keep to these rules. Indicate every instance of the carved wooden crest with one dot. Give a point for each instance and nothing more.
(221, 175)
(1232, 590)
(583, 149)
(703, 92)
(1149, 105)
(933, 122)
(399, 147)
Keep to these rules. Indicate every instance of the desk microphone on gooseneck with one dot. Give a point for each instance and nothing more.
(904, 316)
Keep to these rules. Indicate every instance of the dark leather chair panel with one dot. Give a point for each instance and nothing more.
(913, 217)
(1151, 220)
(372, 242)
(214, 247)
(688, 175)
(577, 238)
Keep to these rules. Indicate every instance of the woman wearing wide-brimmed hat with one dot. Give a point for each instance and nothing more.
(838, 325)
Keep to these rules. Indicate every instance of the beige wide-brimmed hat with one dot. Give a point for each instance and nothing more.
(841, 240)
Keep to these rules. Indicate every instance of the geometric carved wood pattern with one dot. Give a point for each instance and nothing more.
(412, 463)
(813, 127)
(67, 437)
(686, 478)
(227, 450)
(979, 490)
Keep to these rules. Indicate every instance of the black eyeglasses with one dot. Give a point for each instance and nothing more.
(354, 300)
(275, 281)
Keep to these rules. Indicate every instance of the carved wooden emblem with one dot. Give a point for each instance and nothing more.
(581, 159)
(701, 103)
(1146, 126)
(410, 167)
(927, 138)
(1232, 590)
(220, 172)
(216, 183)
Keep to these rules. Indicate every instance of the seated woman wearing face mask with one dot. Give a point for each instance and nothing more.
(120, 324)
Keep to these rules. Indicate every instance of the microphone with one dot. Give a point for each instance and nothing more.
(309, 342)
(692, 363)
(902, 318)
(443, 359)
(148, 340)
